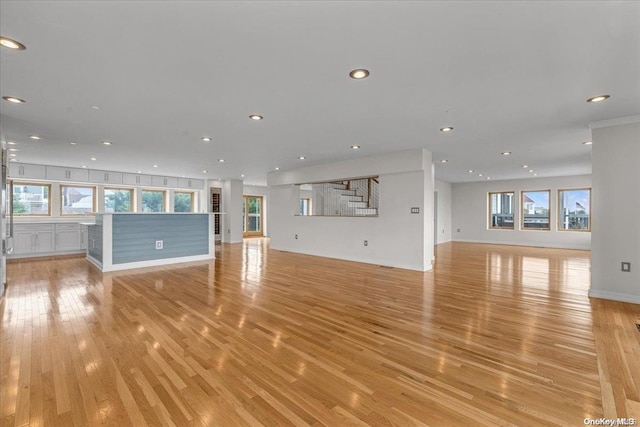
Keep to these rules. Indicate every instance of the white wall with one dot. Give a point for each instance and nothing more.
(232, 206)
(258, 190)
(395, 238)
(470, 213)
(616, 204)
(444, 212)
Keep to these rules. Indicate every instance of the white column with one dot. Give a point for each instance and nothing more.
(232, 199)
(427, 207)
(615, 202)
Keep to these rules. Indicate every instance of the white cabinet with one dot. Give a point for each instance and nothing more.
(105, 177)
(23, 170)
(164, 181)
(136, 179)
(68, 237)
(33, 239)
(55, 173)
(84, 237)
(196, 184)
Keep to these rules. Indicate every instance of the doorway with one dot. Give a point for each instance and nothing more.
(252, 216)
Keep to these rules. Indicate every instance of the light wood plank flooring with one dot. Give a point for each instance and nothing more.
(494, 335)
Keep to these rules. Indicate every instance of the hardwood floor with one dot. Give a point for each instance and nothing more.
(494, 335)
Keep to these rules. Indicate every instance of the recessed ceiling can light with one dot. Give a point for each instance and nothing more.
(506, 153)
(93, 158)
(13, 149)
(598, 98)
(138, 171)
(13, 155)
(221, 160)
(355, 147)
(488, 177)
(13, 160)
(525, 166)
(34, 137)
(587, 142)
(11, 44)
(277, 168)
(95, 107)
(535, 174)
(84, 166)
(155, 166)
(11, 142)
(446, 129)
(470, 171)
(301, 157)
(72, 143)
(206, 139)
(205, 171)
(242, 176)
(359, 74)
(479, 174)
(444, 161)
(14, 99)
(256, 117)
(530, 170)
(107, 143)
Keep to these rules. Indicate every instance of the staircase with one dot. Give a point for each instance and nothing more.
(351, 198)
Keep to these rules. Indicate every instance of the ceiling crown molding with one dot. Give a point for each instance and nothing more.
(614, 122)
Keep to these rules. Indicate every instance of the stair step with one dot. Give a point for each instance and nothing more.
(357, 204)
(366, 211)
(351, 198)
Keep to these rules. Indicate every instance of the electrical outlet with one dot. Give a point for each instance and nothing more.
(458, 230)
(625, 266)
(296, 237)
(159, 244)
(366, 243)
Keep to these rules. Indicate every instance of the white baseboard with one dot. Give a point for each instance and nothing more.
(156, 262)
(530, 244)
(615, 296)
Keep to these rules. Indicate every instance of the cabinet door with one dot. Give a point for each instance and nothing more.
(113, 177)
(84, 237)
(158, 181)
(23, 170)
(78, 175)
(23, 242)
(136, 179)
(55, 173)
(44, 242)
(68, 237)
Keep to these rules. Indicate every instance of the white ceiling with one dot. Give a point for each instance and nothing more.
(514, 76)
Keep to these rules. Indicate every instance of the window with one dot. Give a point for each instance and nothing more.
(183, 202)
(574, 209)
(152, 201)
(305, 206)
(30, 199)
(75, 200)
(252, 216)
(118, 200)
(501, 210)
(535, 210)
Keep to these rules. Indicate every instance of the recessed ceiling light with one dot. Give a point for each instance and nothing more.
(446, 129)
(72, 143)
(530, 170)
(479, 174)
(221, 160)
(107, 143)
(34, 137)
(470, 171)
(155, 166)
(14, 99)
(488, 177)
(184, 175)
(355, 147)
(242, 176)
(506, 153)
(359, 73)
(256, 117)
(219, 179)
(95, 107)
(13, 155)
(277, 168)
(13, 160)
(535, 174)
(205, 171)
(301, 157)
(84, 166)
(11, 142)
(525, 166)
(13, 149)
(587, 142)
(444, 161)
(11, 44)
(138, 171)
(93, 158)
(206, 139)
(598, 98)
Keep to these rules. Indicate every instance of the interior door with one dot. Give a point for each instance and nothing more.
(252, 216)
